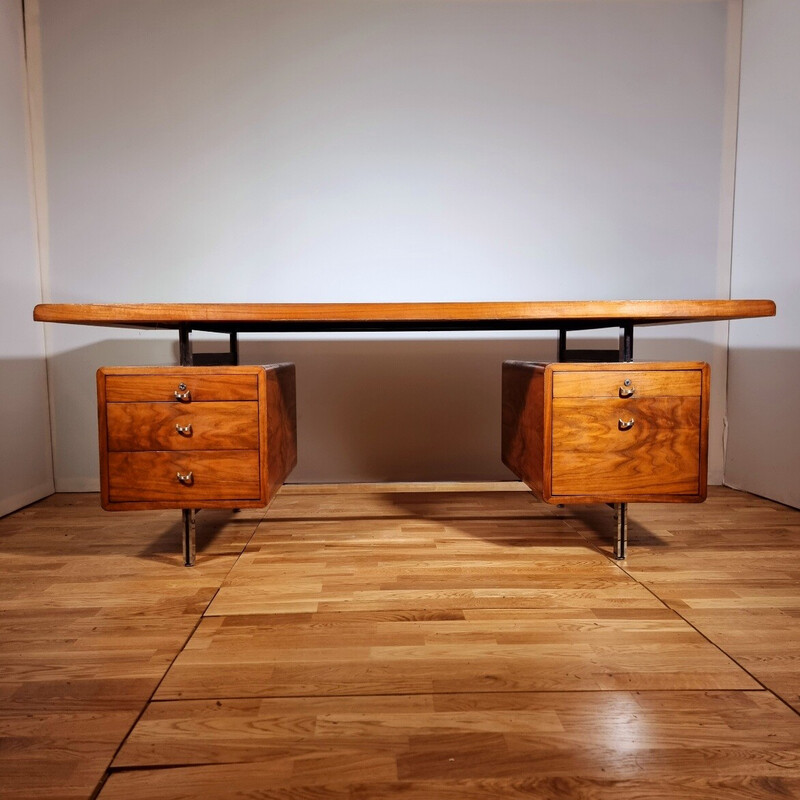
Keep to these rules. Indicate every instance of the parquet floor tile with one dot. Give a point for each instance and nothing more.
(93, 609)
(737, 580)
(368, 643)
(617, 744)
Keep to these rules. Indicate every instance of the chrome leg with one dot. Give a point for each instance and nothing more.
(189, 528)
(621, 539)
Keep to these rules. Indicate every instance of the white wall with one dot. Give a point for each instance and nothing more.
(299, 150)
(25, 463)
(763, 453)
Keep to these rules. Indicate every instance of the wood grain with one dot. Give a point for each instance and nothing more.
(93, 608)
(682, 659)
(153, 426)
(657, 379)
(659, 454)
(241, 447)
(281, 425)
(399, 316)
(394, 746)
(138, 385)
(217, 475)
(308, 611)
(736, 580)
(570, 436)
(523, 426)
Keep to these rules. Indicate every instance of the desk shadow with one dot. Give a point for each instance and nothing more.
(599, 525)
(508, 517)
(543, 525)
(218, 532)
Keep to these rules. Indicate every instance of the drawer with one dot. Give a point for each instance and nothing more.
(643, 446)
(628, 383)
(153, 476)
(195, 386)
(183, 426)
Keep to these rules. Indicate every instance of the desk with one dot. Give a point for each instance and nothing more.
(561, 316)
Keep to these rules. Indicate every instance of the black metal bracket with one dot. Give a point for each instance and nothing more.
(189, 358)
(623, 353)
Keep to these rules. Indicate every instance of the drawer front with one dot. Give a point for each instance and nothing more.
(640, 383)
(155, 387)
(644, 446)
(182, 426)
(152, 476)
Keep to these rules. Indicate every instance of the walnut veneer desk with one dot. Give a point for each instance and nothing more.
(586, 429)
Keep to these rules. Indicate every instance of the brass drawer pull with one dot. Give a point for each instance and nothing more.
(626, 390)
(625, 425)
(183, 394)
(187, 479)
(184, 430)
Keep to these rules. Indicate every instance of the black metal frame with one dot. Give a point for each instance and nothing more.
(188, 358)
(623, 354)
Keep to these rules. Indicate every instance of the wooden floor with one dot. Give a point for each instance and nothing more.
(365, 643)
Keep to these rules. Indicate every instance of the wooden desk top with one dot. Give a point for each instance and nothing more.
(541, 315)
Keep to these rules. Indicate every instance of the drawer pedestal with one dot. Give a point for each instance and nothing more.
(195, 437)
(607, 433)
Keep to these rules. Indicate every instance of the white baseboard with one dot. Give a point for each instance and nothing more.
(69, 485)
(21, 499)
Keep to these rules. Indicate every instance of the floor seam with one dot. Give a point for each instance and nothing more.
(622, 566)
(108, 770)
